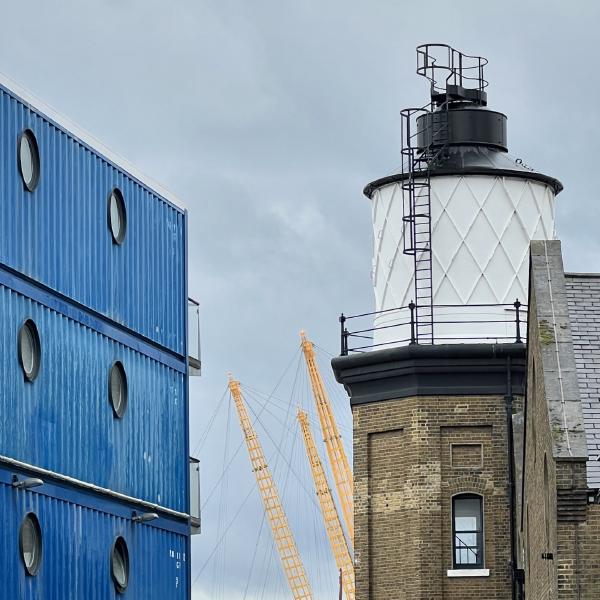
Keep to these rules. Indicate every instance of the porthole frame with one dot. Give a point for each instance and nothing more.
(29, 135)
(121, 545)
(32, 570)
(117, 237)
(29, 324)
(118, 411)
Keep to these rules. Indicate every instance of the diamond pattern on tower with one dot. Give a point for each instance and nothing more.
(481, 229)
(496, 218)
(500, 273)
(464, 212)
(449, 243)
(480, 234)
(496, 211)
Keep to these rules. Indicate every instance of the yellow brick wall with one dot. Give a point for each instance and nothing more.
(404, 482)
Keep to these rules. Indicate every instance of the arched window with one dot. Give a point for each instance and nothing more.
(467, 531)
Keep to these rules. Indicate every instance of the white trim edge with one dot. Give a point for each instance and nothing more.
(90, 486)
(468, 572)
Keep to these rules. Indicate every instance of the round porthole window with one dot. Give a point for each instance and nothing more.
(119, 564)
(117, 389)
(30, 542)
(117, 216)
(29, 350)
(28, 156)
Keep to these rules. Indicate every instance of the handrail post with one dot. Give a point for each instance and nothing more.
(517, 306)
(412, 307)
(343, 335)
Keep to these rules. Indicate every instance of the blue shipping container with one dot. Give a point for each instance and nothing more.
(59, 235)
(91, 299)
(77, 535)
(64, 422)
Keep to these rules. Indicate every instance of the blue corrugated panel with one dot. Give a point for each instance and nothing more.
(59, 235)
(77, 542)
(63, 420)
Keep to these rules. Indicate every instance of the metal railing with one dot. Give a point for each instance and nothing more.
(458, 323)
(443, 66)
(194, 356)
(462, 546)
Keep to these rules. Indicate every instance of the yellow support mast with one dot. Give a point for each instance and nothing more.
(282, 534)
(333, 525)
(340, 466)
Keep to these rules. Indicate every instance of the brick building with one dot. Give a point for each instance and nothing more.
(510, 432)
(432, 438)
(559, 514)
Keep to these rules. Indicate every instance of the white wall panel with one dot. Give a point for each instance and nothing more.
(481, 229)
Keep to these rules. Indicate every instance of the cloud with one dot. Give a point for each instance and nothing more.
(267, 119)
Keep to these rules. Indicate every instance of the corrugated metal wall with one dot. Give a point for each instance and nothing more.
(63, 420)
(59, 236)
(97, 303)
(77, 542)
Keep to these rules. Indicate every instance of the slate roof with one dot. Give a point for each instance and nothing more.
(583, 294)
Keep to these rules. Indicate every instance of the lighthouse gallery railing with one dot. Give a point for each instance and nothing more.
(457, 324)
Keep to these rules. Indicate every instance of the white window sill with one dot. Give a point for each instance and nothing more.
(468, 572)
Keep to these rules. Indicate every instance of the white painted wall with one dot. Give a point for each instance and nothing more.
(481, 229)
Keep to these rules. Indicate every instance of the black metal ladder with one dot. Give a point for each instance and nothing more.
(416, 194)
(425, 140)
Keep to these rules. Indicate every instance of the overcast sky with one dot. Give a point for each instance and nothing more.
(267, 118)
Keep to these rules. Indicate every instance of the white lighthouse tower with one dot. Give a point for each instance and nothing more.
(452, 227)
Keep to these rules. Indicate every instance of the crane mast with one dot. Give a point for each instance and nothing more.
(333, 525)
(282, 534)
(340, 466)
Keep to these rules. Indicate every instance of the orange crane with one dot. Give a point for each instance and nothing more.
(333, 525)
(342, 473)
(282, 534)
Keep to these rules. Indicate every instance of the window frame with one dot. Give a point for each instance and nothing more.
(120, 544)
(32, 570)
(119, 238)
(29, 135)
(120, 411)
(29, 324)
(480, 533)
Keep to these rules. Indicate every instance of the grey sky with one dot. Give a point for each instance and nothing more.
(267, 118)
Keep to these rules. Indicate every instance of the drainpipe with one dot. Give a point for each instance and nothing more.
(511, 477)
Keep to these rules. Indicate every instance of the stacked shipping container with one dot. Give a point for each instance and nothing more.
(93, 259)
